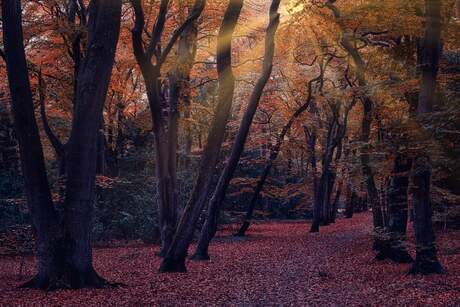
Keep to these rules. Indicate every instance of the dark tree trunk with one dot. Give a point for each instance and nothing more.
(368, 173)
(210, 226)
(335, 133)
(336, 202)
(9, 158)
(426, 261)
(311, 143)
(81, 154)
(165, 138)
(394, 246)
(351, 204)
(44, 216)
(328, 210)
(174, 260)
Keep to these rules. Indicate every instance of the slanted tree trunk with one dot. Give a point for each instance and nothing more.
(426, 261)
(210, 226)
(274, 154)
(394, 246)
(39, 201)
(58, 146)
(174, 260)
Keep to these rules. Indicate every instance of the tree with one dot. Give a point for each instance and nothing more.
(349, 45)
(336, 130)
(394, 247)
(274, 154)
(210, 226)
(165, 131)
(426, 261)
(175, 258)
(64, 252)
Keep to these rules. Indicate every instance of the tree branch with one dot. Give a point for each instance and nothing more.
(55, 142)
(194, 14)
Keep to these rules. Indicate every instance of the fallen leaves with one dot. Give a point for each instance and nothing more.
(279, 264)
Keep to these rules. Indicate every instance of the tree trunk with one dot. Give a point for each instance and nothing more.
(81, 155)
(210, 226)
(426, 261)
(351, 205)
(311, 142)
(39, 201)
(394, 246)
(165, 139)
(174, 260)
(360, 70)
(336, 202)
(273, 155)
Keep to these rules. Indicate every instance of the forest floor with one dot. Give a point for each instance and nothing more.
(279, 264)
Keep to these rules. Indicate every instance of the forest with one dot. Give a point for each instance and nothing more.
(230, 152)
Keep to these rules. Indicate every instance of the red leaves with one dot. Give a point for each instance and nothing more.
(280, 263)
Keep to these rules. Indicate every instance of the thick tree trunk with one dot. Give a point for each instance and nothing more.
(426, 261)
(210, 226)
(394, 246)
(174, 260)
(81, 153)
(39, 201)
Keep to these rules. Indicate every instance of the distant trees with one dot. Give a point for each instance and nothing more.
(275, 150)
(63, 249)
(349, 44)
(336, 129)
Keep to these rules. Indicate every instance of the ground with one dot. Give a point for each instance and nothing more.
(279, 264)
